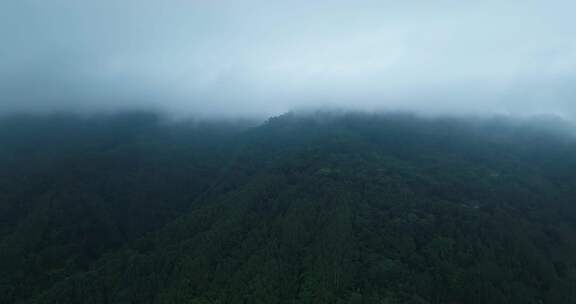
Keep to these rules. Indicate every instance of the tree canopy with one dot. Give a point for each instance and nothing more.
(321, 208)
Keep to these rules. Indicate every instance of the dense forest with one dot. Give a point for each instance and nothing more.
(350, 208)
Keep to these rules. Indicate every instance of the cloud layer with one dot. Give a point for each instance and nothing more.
(257, 57)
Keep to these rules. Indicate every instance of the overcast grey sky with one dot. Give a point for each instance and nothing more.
(265, 57)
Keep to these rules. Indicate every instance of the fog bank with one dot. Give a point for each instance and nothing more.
(260, 58)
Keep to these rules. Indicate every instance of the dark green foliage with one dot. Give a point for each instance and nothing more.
(350, 208)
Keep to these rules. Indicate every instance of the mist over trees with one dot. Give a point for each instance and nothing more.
(287, 152)
(316, 208)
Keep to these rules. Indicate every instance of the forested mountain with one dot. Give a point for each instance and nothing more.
(317, 208)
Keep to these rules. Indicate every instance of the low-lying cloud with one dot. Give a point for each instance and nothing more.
(259, 58)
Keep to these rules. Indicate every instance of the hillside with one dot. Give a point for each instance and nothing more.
(319, 208)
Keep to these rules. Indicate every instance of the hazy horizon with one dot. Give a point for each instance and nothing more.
(263, 58)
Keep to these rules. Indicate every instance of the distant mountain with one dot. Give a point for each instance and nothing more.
(317, 208)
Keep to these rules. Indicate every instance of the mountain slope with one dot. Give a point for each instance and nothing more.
(350, 208)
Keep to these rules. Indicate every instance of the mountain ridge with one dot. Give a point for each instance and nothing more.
(351, 208)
